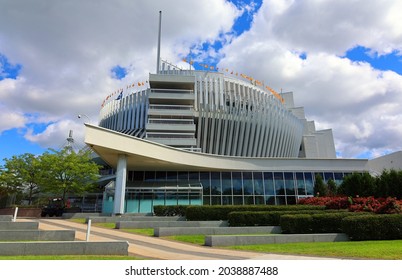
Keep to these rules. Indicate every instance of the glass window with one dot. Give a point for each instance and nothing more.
(249, 200)
(301, 190)
(149, 176)
(216, 187)
(194, 176)
(328, 175)
(308, 177)
(289, 183)
(226, 183)
(160, 176)
(338, 178)
(258, 184)
(270, 200)
(171, 176)
(238, 200)
(216, 200)
(227, 200)
(183, 176)
(138, 176)
(237, 184)
(281, 200)
(259, 200)
(290, 200)
(206, 200)
(279, 183)
(269, 183)
(206, 184)
(248, 183)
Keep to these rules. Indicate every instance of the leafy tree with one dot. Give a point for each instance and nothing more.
(22, 173)
(358, 184)
(68, 171)
(332, 187)
(389, 183)
(320, 189)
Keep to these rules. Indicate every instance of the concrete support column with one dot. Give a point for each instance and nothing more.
(120, 188)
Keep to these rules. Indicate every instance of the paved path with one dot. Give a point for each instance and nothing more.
(158, 248)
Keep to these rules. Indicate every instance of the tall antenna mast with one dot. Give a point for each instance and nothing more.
(159, 44)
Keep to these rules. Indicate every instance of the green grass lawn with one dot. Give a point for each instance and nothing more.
(381, 250)
(69, 257)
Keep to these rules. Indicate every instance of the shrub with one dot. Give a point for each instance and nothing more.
(317, 223)
(171, 210)
(300, 223)
(262, 218)
(221, 212)
(373, 227)
(314, 201)
(338, 203)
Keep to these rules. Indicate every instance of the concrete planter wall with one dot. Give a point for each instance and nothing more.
(22, 212)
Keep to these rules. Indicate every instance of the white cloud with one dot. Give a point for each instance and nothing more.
(361, 104)
(68, 48)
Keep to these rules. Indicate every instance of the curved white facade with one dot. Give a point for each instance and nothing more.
(207, 112)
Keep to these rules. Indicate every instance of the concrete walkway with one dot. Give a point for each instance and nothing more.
(158, 248)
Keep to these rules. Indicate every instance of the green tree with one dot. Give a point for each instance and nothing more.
(332, 187)
(320, 189)
(358, 184)
(22, 173)
(389, 183)
(68, 172)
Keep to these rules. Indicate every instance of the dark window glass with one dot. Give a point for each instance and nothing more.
(238, 200)
(289, 183)
(237, 184)
(149, 176)
(248, 183)
(279, 183)
(226, 183)
(183, 176)
(258, 184)
(216, 187)
(161, 175)
(139, 176)
(171, 176)
(308, 177)
(269, 183)
(301, 190)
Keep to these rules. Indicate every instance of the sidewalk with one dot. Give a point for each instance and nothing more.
(158, 248)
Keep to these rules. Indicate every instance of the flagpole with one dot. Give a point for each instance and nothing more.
(159, 44)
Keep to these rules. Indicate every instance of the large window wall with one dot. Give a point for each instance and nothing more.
(237, 188)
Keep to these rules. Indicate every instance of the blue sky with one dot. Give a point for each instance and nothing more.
(61, 59)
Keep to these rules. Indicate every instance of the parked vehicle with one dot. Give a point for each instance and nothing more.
(55, 207)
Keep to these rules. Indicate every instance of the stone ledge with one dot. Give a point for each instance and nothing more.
(168, 231)
(220, 240)
(6, 218)
(155, 224)
(133, 218)
(37, 235)
(64, 248)
(19, 225)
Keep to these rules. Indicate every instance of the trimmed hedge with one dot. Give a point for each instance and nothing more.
(373, 227)
(221, 212)
(262, 218)
(315, 223)
(299, 223)
(171, 210)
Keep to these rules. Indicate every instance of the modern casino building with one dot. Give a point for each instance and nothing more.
(202, 137)
(212, 137)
